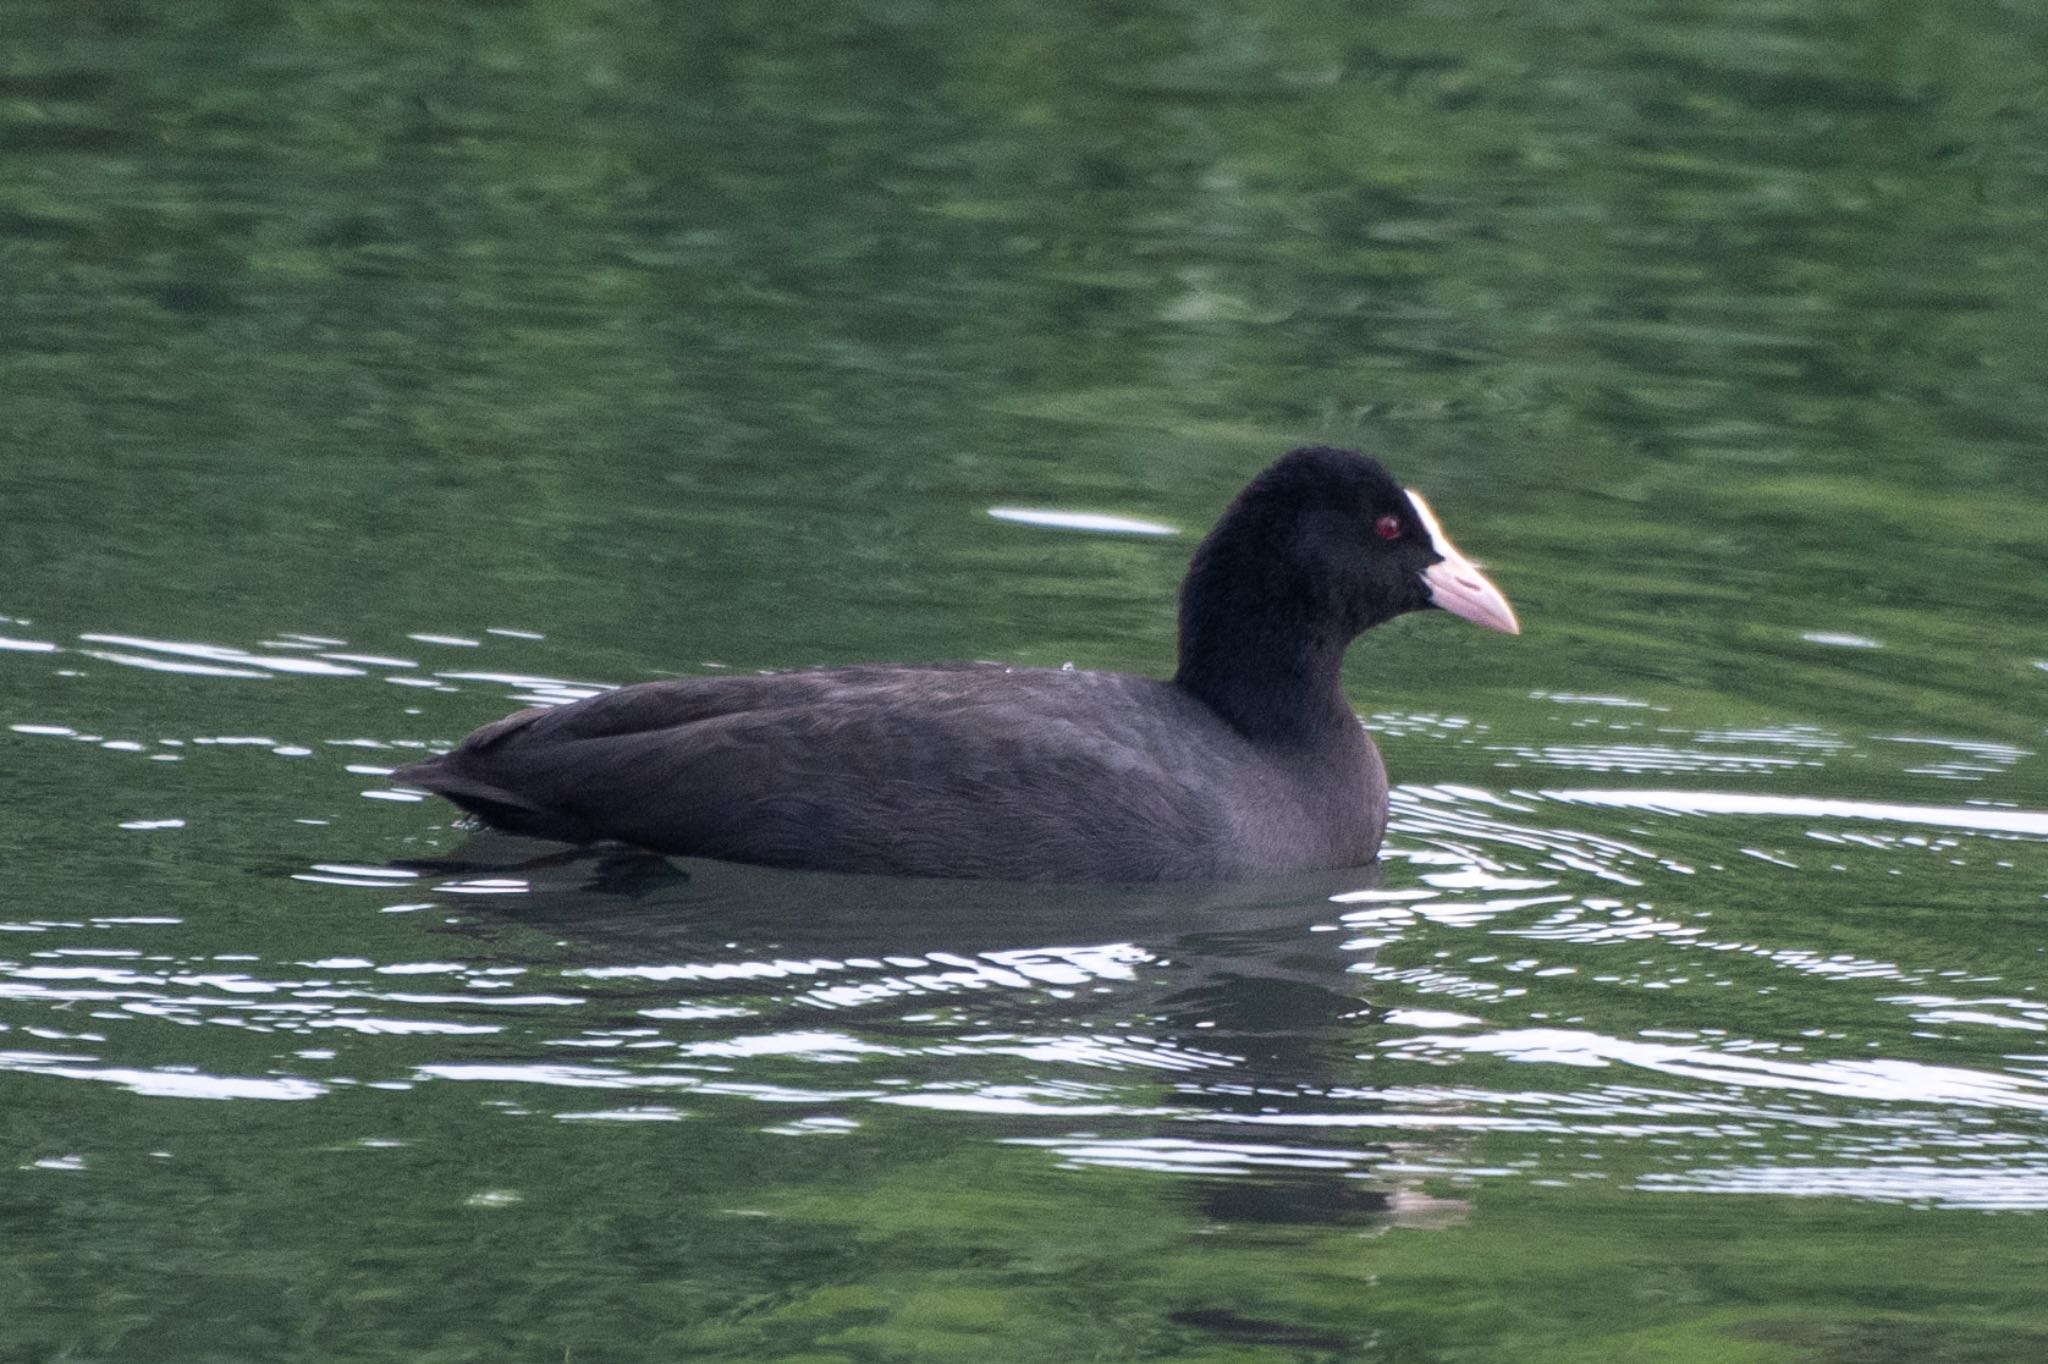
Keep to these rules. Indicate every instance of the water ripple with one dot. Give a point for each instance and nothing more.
(2007, 1188)
(1979, 818)
(1876, 1079)
(1542, 981)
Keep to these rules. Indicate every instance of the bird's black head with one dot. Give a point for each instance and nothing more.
(1326, 536)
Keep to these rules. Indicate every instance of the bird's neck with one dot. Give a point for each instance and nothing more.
(1275, 675)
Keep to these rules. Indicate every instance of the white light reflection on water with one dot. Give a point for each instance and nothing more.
(1174, 1155)
(1754, 752)
(817, 1046)
(1640, 758)
(1973, 760)
(344, 874)
(556, 1075)
(302, 1006)
(1021, 1101)
(2010, 1189)
(287, 656)
(163, 655)
(630, 1113)
(1878, 1079)
(1107, 1051)
(1979, 818)
(531, 690)
(1097, 522)
(1988, 1012)
(871, 980)
(1452, 817)
(166, 1083)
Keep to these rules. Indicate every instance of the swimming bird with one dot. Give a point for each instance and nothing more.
(1247, 762)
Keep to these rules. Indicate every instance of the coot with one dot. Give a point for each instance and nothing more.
(1248, 762)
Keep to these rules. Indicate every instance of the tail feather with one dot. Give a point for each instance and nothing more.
(494, 805)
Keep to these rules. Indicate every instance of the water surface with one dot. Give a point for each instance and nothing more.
(371, 370)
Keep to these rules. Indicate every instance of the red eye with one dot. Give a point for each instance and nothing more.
(1388, 527)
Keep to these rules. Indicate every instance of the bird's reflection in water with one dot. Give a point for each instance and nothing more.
(1248, 995)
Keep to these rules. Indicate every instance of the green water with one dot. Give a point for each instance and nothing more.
(368, 369)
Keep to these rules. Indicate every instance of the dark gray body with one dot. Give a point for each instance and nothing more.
(962, 770)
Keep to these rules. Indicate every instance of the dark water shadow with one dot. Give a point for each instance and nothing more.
(1249, 995)
(616, 901)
